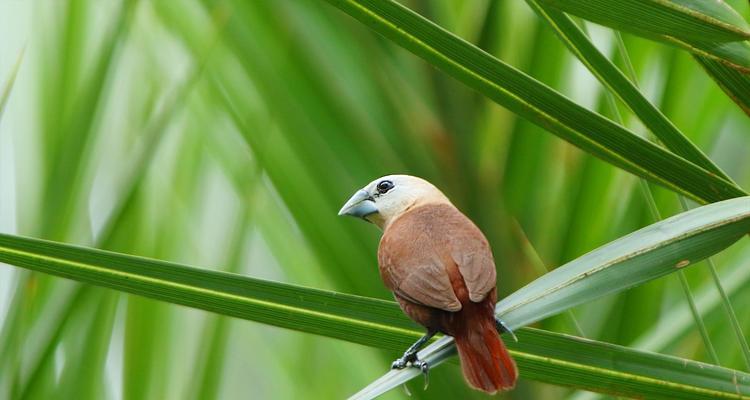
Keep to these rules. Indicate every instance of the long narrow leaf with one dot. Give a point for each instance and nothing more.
(596, 366)
(8, 86)
(537, 102)
(659, 249)
(646, 254)
(699, 20)
(359, 319)
(709, 28)
(541, 355)
(735, 55)
(679, 322)
(610, 76)
(577, 41)
(734, 83)
(708, 300)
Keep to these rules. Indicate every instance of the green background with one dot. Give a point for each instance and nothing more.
(227, 134)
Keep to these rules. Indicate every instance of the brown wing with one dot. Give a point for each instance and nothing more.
(412, 269)
(417, 250)
(472, 254)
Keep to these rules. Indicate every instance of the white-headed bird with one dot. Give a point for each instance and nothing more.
(440, 269)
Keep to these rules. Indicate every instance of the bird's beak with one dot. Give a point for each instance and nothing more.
(360, 205)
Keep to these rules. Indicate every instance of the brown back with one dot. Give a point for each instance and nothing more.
(421, 246)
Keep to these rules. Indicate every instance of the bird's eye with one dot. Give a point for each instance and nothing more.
(384, 186)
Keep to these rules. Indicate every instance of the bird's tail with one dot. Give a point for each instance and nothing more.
(485, 361)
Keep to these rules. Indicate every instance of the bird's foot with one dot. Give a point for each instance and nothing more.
(411, 360)
(403, 362)
(425, 368)
(502, 328)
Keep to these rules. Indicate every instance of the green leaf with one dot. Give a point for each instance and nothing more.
(294, 307)
(654, 251)
(646, 254)
(83, 377)
(734, 83)
(596, 366)
(537, 102)
(317, 94)
(134, 175)
(69, 111)
(611, 77)
(8, 87)
(735, 55)
(577, 41)
(694, 19)
(678, 322)
(704, 27)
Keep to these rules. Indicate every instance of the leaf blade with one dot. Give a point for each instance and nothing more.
(536, 102)
(698, 20)
(611, 77)
(375, 322)
(713, 29)
(519, 308)
(9, 82)
(353, 318)
(734, 83)
(654, 251)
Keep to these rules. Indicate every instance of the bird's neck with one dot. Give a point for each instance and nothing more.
(384, 223)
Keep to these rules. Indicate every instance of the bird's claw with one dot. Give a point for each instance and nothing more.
(405, 360)
(411, 360)
(502, 328)
(400, 363)
(425, 368)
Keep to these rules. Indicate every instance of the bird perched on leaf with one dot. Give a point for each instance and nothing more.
(440, 269)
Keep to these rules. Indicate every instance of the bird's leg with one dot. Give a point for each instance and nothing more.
(502, 328)
(410, 355)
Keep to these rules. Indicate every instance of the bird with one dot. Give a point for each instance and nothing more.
(441, 270)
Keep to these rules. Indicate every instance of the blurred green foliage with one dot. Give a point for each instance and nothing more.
(227, 133)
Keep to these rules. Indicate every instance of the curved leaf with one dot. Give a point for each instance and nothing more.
(734, 83)
(536, 102)
(611, 77)
(8, 87)
(710, 28)
(541, 355)
(734, 55)
(654, 251)
(694, 19)
(678, 322)
(607, 368)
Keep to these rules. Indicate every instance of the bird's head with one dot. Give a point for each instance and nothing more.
(386, 198)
